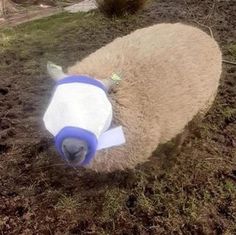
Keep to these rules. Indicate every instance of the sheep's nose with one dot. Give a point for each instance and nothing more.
(70, 155)
(74, 150)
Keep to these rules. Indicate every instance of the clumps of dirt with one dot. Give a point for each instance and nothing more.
(187, 190)
(3, 148)
(3, 91)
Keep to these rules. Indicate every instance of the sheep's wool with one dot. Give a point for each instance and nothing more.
(81, 102)
(170, 76)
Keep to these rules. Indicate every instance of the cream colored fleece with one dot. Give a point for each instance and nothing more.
(170, 73)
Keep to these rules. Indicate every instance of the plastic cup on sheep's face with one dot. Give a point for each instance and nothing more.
(79, 117)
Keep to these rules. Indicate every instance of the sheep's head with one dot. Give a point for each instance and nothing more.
(73, 149)
(79, 116)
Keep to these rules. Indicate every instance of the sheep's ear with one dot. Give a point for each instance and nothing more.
(108, 83)
(55, 71)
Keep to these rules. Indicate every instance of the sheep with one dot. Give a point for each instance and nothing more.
(170, 74)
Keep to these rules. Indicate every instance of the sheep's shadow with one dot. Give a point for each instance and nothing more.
(59, 175)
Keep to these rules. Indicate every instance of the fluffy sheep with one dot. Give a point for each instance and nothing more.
(170, 73)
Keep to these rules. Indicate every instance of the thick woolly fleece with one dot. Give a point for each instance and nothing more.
(170, 73)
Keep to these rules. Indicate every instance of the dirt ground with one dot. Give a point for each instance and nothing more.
(189, 191)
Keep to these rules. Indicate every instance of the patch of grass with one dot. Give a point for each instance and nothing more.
(230, 187)
(67, 203)
(190, 208)
(30, 190)
(5, 40)
(113, 203)
(34, 43)
(45, 32)
(141, 181)
(232, 50)
(228, 112)
(145, 203)
(207, 197)
(204, 130)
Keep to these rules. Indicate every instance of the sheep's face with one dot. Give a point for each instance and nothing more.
(76, 145)
(79, 126)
